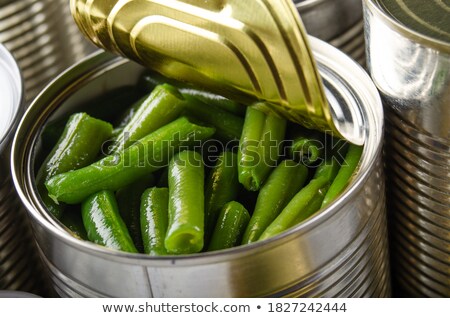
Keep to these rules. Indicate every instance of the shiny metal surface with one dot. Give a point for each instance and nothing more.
(43, 38)
(412, 72)
(342, 251)
(18, 259)
(245, 50)
(329, 19)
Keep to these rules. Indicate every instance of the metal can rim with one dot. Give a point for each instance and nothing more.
(17, 82)
(82, 70)
(407, 31)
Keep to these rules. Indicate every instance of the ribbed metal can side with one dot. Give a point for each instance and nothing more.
(44, 39)
(413, 77)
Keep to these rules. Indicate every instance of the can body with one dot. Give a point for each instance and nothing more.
(412, 73)
(43, 38)
(337, 22)
(19, 265)
(340, 252)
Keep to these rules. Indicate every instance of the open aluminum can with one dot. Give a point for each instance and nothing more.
(19, 266)
(341, 251)
(43, 38)
(409, 59)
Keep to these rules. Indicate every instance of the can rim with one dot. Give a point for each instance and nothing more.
(104, 60)
(17, 82)
(406, 31)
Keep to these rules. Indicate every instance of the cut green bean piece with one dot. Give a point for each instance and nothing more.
(230, 226)
(222, 186)
(151, 153)
(129, 202)
(161, 107)
(186, 204)
(128, 114)
(214, 100)
(259, 147)
(308, 146)
(296, 207)
(345, 174)
(77, 147)
(281, 186)
(154, 220)
(228, 126)
(103, 223)
(306, 202)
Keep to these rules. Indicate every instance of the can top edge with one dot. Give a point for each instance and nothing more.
(11, 91)
(89, 66)
(407, 31)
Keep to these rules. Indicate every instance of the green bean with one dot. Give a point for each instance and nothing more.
(230, 226)
(161, 107)
(228, 126)
(306, 202)
(129, 202)
(287, 218)
(77, 147)
(281, 186)
(214, 100)
(259, 147)
(344, 175)
(154, 220)
(103, 223)
(117, 171)
(186, 204)
(222, 186)
(308, 146)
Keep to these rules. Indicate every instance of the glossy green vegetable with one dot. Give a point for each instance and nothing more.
(281, 186)
(259, 147)
(228, 126)
(345, 173)
(161, 107)
(214, 100)
(117, 171)
(308, 146)
(230, 226)
(154, 220)
(306, 202)
(129, 202)
(77, 147)
(222, 186)
(103, 223)
(186, 204)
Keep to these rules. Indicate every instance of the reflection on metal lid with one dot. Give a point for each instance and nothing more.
(10, 91)
(430, 18)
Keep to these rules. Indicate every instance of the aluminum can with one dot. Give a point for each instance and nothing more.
(409, 60)
(340, 252)
(19, 266)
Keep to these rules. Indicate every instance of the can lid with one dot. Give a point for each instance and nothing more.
(430, 19)
(247, 51)
(10, 92)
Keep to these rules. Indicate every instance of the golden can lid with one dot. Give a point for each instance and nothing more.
(244, 50)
